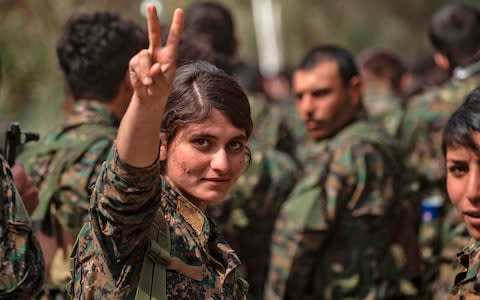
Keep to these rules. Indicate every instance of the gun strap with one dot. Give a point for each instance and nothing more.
(66, 152)
(152, 284)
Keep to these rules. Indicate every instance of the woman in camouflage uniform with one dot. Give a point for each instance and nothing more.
(461, 146)
(167, 179)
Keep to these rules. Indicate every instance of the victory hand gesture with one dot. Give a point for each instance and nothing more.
(151, 74)
(152, 71)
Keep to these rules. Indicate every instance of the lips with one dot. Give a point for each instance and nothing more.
(472, 218)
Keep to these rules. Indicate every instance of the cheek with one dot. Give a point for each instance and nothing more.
(455, 188)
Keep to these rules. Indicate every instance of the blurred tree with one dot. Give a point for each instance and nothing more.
(31, 87)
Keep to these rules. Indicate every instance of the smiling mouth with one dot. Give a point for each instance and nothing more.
(472, 217)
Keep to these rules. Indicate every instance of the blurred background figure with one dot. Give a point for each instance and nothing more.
(93, 51)
(424, 74)
(384, 77)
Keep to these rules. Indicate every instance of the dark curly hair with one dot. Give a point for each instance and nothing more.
(94, 50)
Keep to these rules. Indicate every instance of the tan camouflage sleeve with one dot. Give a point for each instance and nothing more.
(124, 203)
(21, 261)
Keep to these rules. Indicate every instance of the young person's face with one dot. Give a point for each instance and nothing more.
(205, 160)
(463, 184)
(324, 103)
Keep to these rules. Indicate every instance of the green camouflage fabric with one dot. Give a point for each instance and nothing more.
(421, 134)
(69, 205)
(108, 256)
(247, 218)
(383, 108)
(270, 127)
(466, 284)
(21, 261)
(346, 230)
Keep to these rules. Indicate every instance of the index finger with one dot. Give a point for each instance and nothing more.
(154, 34)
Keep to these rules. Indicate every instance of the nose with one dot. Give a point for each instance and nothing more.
(305, 104)
(472, 191)
(220, 162)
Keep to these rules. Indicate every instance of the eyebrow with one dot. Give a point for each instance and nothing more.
(202, 134)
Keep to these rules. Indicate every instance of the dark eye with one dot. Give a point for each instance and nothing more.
(235, 146)
(203, 143)
(458, 170)
(298, 96)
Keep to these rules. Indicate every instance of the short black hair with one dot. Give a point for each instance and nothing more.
(463, 123)
(455, 32)
(94, 50)
(347, 67)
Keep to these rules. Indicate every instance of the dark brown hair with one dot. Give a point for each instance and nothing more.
(199, 88)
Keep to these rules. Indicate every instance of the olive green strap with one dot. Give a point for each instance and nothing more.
(152, 284)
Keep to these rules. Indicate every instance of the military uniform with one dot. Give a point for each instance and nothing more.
(247, 218)
(271, 130)
(64, 166)
(467, 280)
(112, 245)
(346, 231)
(21, 263)
(383, 108)
(421, 133)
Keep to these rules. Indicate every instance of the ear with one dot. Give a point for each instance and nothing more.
(442, 61)
(356, 89)
(163, 146)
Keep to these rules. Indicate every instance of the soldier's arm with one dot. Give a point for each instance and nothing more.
(21, 262)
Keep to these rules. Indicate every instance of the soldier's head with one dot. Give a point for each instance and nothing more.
(213, 24)
(327, 86)
(455, 33)
(208, 113)
(461, 147)
(383, 68)
(93, 51)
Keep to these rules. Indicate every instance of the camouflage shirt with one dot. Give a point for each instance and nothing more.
(345, 231)
(21, 263)
(69, 203)
(467, 280)
(247, 218)
(421, 133)
(111, 246)
(270, 127)
(383, 108)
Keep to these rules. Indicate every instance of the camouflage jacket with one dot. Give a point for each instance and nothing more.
(346, 231)
(467, 280)
(383, 108)
(270, 127)
(111, 246)
(21, 262)
(421, 133)
(247, 218)
(69, 202)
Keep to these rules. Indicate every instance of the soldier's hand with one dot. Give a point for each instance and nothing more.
(152, 71)
(25, 187)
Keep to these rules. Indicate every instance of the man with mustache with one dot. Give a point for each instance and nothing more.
(347, 229)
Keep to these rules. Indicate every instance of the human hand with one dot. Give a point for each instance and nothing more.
(152, 71)
(25, 187)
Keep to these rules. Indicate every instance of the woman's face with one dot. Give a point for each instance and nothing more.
(205, 160)
(463, 184)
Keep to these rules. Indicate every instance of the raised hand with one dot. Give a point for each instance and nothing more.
(151, 74)
(152, 71)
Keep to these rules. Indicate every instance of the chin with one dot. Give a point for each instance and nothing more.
(474, 232)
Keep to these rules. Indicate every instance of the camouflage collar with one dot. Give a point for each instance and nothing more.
(91, 112)
(187, 210)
